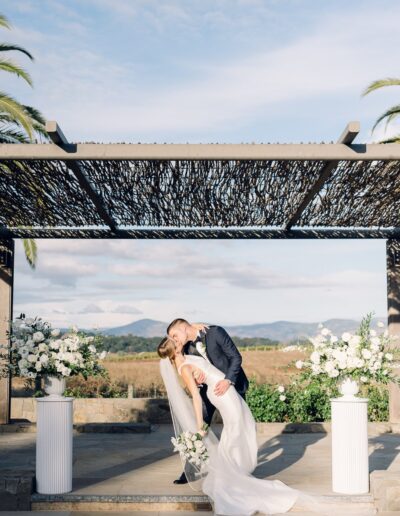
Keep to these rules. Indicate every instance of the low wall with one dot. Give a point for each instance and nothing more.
(156, 411)
(103, 410)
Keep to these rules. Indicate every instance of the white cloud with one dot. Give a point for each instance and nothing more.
(217, 93)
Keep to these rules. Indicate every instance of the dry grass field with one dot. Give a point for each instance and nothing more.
(266, 366)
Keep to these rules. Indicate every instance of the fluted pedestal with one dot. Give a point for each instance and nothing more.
(350, 471)
(54, 444)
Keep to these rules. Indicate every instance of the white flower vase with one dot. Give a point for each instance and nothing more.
(54, 386)
(348, 388)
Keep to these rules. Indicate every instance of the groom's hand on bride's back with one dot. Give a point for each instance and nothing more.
(221, 387)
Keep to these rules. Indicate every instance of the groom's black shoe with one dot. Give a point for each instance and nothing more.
(181, 480)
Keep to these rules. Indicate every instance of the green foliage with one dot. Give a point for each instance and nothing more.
(265, 404)
(125, 344)
(309, 402)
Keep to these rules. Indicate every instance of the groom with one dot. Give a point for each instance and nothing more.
(216, 346)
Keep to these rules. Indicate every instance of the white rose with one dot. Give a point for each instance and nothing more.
(44, 359)
(282, 397)
(315, 357)
(299, 364)
(32, 358)
(38, 365)
(354, 340)
(103, 355)
(55, 333)
(380, 324)
(325, 331)
(316, 368)
(329, 366)
(364, 379)
(55, 344)
(372, 332)
(281, 388)
(334, 339)
(38, 336)
(334, 373)
(346, 336)
(92, 348)
(389, 356)
(366, 353)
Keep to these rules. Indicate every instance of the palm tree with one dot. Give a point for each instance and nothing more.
(19, 123)
(392, 112)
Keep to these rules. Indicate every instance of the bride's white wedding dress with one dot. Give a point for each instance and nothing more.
(229, 483)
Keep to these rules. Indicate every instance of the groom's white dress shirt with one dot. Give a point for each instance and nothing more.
(200, 347)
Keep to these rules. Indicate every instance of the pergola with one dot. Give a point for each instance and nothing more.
(212, 191)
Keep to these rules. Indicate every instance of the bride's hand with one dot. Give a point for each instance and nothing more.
(200, 326)
(202, 432)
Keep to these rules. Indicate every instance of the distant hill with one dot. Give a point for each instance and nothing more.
(283, 331)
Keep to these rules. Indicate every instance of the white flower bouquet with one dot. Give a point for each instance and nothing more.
(37, 349)
(191, 447)
(364, 356)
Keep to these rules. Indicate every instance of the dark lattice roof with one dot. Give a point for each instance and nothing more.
(199, 197)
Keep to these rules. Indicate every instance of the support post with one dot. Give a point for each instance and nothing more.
(393, 304)
(6, 310)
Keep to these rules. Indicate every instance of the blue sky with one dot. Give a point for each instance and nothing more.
(205, 71)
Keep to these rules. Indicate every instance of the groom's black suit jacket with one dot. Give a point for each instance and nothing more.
(224, 355)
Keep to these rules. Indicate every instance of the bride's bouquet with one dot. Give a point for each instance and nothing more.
(191, 447)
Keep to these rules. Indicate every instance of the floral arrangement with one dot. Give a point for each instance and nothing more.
(37, 349)
(191, 447)
(364, 356)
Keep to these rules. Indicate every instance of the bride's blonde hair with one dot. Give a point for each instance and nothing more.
(166, 349)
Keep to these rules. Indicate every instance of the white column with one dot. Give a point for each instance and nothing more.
(350, 470)
(54, 444)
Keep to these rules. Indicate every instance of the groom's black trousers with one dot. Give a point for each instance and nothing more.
(208, 407)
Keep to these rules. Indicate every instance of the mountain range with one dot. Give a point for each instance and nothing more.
(283, 331)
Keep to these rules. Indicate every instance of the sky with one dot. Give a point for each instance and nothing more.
(225, 71)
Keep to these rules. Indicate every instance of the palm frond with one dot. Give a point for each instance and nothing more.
(380, 83)
(393, 139)
(8, 66)
(17, 111)
(4, 22)
(6, 47)
(35, 114)
(30, 248)
(390, 115)
(9, 135)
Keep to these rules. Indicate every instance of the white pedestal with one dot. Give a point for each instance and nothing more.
(54, 444)
(350, 470)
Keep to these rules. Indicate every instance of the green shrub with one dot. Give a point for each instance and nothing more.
(307, 402)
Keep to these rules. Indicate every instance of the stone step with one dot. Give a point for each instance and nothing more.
(108, 428)
(340, 504)
(114, 428)
(120, 503)
(105, 513)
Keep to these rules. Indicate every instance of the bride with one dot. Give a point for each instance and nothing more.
(228, 481)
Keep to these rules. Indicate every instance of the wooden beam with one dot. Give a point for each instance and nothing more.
(6, 314)
(221, 152)
(202, 233)
(347, 137)
(393, 305)
(57, 136)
